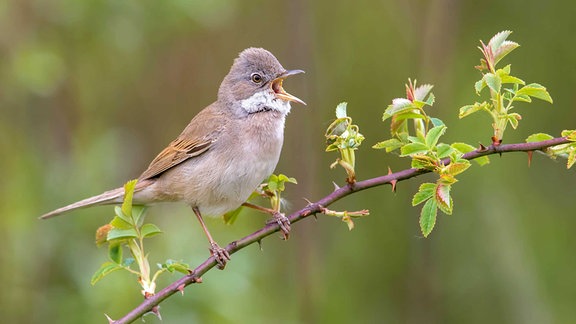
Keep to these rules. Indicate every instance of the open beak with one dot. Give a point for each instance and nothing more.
(276, 86)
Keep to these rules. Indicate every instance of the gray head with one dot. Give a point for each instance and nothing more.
(255, 83)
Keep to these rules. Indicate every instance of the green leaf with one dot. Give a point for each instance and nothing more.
(284, 178)
(535, 90)
(390, 145)
(436, 121)
(456, 168)
(505, 48)
(120, 214)
(443, 150)
(420, 161)
(105, 268)
(493, 81)
(470, 109)
(398, 105)
(138, 211)
(410, 114)
(420, 139)
(497, 40)
(413, 148)
(128, 193)
(479, 85)
(280, 186)
(511, 79)
(522, 98)
(571, 158)
(120, 223)
(273, 178)
(428, 217)
(513, 119)
(569, 134)
(341, 110)
(116, 234)
(115, 252)
(172, 266)
(425, 192)
(231, 216)
(443, 198)
(337, 128)
(538, 137)
(348, 220)
(430, 100)
(272, 185)
(465, 148)
(433, 136)
(149, 230)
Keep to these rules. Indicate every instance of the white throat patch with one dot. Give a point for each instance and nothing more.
(265, 100)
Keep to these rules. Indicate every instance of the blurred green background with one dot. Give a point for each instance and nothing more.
(91, 90)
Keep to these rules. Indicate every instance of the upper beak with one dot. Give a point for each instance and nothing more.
(276, 86)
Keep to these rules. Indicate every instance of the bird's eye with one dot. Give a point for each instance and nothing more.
(256, 78)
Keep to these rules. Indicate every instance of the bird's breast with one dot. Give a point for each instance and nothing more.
(222, 178)
(257, 153)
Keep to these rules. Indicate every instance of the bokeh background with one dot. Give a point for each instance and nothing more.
(91, 90)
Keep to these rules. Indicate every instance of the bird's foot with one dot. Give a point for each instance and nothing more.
(220, 255)
(283, 222)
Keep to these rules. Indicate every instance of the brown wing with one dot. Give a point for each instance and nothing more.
(196, 139)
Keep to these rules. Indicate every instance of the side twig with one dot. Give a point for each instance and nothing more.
(151, 303)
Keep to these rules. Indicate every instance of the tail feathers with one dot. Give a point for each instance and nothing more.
(109, 197)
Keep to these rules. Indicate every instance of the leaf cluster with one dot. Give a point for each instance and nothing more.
(128, 230)
(271, 189)
(505, 89)
(342, 135)
(417, 135)
(566, 151)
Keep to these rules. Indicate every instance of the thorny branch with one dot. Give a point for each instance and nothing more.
(151, 303)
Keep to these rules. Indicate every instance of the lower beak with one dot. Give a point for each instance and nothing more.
(280, 93)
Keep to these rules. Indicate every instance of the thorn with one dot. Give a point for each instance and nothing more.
(156, 311)
(198, 280)
(110, 321)
(530, 157)
(181, 288)
(260, 245)
(392, 182)
(309, 204)
(336, 187)
(482, 148)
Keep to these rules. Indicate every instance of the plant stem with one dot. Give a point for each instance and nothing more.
(317, 207)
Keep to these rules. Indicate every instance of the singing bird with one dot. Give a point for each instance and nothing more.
(224, 153)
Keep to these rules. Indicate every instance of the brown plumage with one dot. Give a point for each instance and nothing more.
(226, 150)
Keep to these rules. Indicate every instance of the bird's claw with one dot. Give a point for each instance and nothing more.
(220, 255)
(283, 222)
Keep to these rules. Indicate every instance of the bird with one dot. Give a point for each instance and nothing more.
(224, 153)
